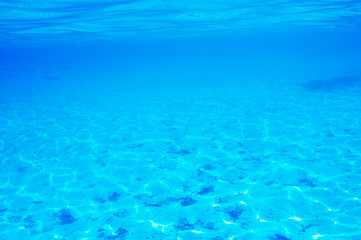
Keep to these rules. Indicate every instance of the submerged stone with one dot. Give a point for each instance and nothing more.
(106, 234)
(114, 197)
(279, 237)
(188, 201)
(206, 190)
(205, 224)
(29, 222)
(184, 225)
(64, 217)
(234, 212)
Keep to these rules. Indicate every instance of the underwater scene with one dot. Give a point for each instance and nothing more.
(180, 120)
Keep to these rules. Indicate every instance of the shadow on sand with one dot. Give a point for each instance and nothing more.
(327, 85)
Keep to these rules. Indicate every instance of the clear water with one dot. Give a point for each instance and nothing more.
(185, 120)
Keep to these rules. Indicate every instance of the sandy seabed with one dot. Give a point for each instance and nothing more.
(189, 161)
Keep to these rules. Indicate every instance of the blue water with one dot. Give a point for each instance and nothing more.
(210, 120)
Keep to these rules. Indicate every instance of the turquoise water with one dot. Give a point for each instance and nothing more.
(210, 120)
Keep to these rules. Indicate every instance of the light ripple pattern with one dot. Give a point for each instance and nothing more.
(80, 20)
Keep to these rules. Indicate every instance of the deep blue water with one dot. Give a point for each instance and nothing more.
(210, 120)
